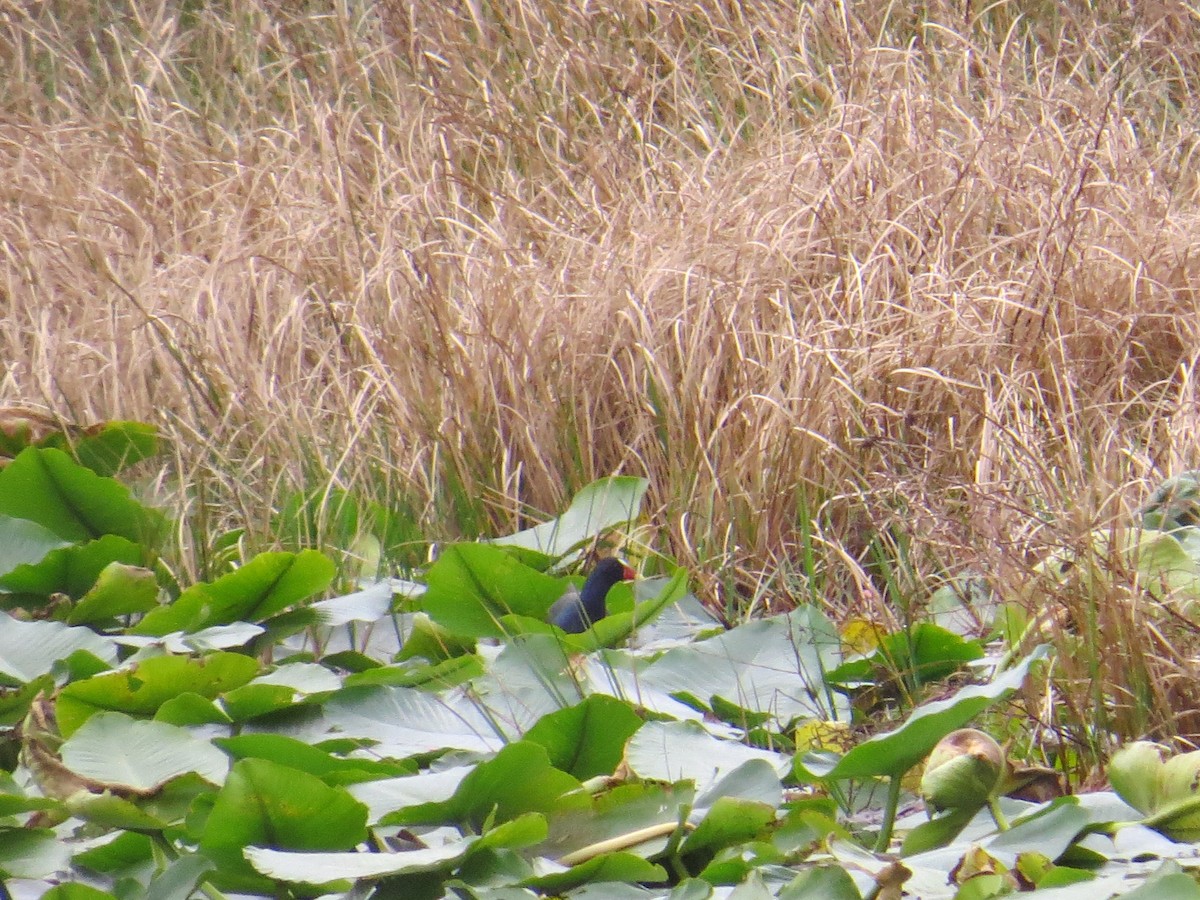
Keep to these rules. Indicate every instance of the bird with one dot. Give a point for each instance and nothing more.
(577, 610)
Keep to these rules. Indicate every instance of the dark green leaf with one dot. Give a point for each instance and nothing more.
(936, 832)
(730, 821)
(268, 584)
(108, 448)
(897, 751)
(14, 801)
(518, 779)
(298, 755)
(609, 867)
(428, 640)
(473, 586)
(122, 852)
(140, 690)
(925, 653)
(179, 880)
(265, 804)
(190, 708)
(111, 811)
(76, 892)
(50, 488)
(119, 590)
(72, 570)
(587, 739)
(287, 686)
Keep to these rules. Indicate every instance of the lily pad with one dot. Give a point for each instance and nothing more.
(50, 488)
(143, 688)
(268, 805)
(600, 506)
(263, 587)
(774, 666)
(29, 650)
(117, 751)
(897, 751)
(519, 779)
(473, 586)
(74, 569)
(119, 590)
(587, 739)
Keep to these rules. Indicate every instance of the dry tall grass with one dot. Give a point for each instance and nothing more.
(916, 278)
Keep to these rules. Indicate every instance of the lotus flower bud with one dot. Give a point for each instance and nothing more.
(964, 771)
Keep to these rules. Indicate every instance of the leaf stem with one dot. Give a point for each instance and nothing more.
(997, 814)
(889, 814)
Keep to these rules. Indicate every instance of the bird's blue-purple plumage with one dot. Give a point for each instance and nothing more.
(577, 612)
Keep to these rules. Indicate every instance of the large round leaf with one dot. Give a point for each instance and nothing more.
(117, 751)
(268, 584)
(774, 666)
(673, 751)
(602, 505)
(29, 650)
(473, 586)
(50, 488)
(404, 721)
(264, 804)
(895, 752)
(519, 779)
(587, 739)
(142, 689)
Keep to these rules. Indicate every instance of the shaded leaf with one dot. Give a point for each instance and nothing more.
(610, 867)
(473, 586)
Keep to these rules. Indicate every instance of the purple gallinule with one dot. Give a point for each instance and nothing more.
(577, 610)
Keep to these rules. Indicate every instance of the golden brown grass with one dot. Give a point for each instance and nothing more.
(915, 283)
